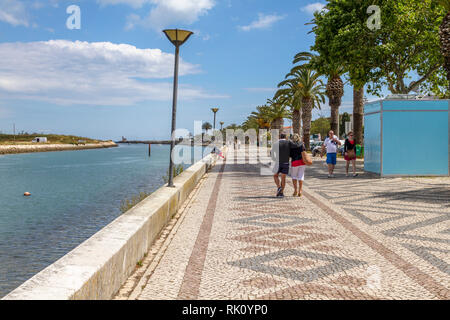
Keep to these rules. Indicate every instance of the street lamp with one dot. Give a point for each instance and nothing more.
(221, 125)
(177, 37)
(215, 111)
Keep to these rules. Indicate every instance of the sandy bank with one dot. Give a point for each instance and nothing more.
(10, 149)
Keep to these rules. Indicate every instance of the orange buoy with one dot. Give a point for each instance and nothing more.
(27, 194)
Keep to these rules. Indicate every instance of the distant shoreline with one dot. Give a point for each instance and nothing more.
(14, 149)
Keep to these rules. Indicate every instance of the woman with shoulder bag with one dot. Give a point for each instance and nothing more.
(350, 153)
(298, 164)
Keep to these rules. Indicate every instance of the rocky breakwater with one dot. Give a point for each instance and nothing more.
(10, 149)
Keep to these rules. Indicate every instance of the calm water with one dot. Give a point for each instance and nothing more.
(74, 194)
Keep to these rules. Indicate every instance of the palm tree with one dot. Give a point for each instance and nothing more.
(206, 126)
(310, 89)
(444, 34)
(335, 85)
(262, 116)
(289, 96)
(276, 113)
(233, 126)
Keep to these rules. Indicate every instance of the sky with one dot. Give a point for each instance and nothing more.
(112, 75)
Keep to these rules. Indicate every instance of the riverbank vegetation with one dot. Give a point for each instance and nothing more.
(130, 203)
(26, 138)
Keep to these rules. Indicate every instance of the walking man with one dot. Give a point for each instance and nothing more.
(280, 154)
(330, 143)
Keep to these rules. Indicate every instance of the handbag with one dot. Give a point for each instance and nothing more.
(306, 158)
(351, 154)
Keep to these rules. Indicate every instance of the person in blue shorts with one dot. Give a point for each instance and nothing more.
(331, 144)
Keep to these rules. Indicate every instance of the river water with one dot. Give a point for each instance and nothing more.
(74, 195)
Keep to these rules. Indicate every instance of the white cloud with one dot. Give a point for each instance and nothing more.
(132, 3)
(263, 22)
(13, 12)
(101, 73)
(166, 12)
(313, 7)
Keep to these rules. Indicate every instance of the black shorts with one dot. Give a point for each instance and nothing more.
(283, 168)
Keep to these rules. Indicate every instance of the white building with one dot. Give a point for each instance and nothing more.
(40, 140)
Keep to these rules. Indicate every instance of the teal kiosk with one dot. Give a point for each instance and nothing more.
(407, 137)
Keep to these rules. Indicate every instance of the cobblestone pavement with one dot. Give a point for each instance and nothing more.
(346, 238)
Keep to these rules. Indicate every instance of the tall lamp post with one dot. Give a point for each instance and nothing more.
(177, 37)
(215, 111)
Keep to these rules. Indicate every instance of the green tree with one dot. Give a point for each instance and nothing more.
(310, 89)
(409, 43)
(206, 126)
(290, 97)
(320, 125)
(342, 36)
(333, 70)
(233, 126)
(276, 113)
(405, 44)
(444, 37)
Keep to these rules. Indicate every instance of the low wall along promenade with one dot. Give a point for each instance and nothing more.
(98, 267)
(29, 148)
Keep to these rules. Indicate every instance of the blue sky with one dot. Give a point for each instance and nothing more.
(113, 77)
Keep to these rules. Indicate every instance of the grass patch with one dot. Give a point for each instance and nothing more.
(130, 203)
(177, 169)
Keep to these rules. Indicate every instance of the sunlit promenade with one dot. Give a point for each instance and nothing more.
(354, 238)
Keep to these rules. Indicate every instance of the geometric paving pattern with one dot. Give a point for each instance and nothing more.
(416, 210)
(333, 264)
(272, 221)
(346, 238)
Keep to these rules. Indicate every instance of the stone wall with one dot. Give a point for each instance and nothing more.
(28, 148)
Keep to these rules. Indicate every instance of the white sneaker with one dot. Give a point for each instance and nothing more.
(329, 176)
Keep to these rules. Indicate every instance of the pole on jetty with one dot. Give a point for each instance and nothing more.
(177, 37)
(149, 149)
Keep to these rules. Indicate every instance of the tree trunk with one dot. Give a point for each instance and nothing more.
(335, 91)
(444, 37)
(306, 119)
(358, 113)
(334, 118)
(277, 124)
(447, 69)
(296, 121)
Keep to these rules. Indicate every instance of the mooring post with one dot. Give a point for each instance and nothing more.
(149, 149)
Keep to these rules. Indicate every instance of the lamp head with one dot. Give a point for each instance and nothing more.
(215, 109)
(177, 36)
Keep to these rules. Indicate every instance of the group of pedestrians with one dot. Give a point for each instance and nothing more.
(282, 151)
(330, 146)
(290, 158)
